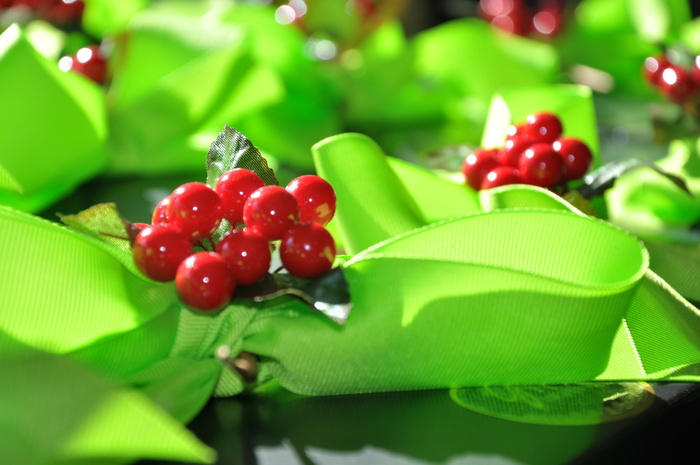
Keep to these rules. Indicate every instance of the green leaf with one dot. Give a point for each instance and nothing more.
(232, 149)
(328, 294)
(102, 221)
(602, 179)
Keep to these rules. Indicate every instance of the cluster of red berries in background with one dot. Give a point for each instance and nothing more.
(534, 152)
(260, 214)
(679, 83)
(89, 60)
(515, 17)
(62, 13)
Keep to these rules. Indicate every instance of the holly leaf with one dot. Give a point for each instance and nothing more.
(103, 221)
(603, 178)
(327, 294)
(232, 149)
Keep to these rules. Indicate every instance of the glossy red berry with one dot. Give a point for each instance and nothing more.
(316, 198)
(204, 282)
(88, 61)
(158, 251)
(160, 213)
(544, 127)
(510, 16)
(195, 209)
(307, 251)
(247, 253)
(513, 149)
(477, 164)
(541, 166)
(488, 9)
(677, 84)
(653, 67)
(501, 176)
(271, 211)
(517, 22)
(547, 22)
(515, 129)
(576, 155)
(234, 187)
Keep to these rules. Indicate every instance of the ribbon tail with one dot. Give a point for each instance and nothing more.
(659, 338)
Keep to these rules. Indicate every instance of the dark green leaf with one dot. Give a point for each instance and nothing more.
(103, 222)
(328, 294)
(602, 179)
(232, 149)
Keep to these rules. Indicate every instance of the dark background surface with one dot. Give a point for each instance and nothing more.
(426, 427)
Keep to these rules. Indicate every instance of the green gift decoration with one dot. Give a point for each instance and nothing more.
(487, 295)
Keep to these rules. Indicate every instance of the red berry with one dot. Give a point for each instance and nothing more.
(515, 129)
(160, 213)
(316, 198)
(271, 211)
(541, 166)
(307, 251)
(247, 253)
(510, 16)
(234, 187)
(543, 127)
(491, 8)
(677, 84)
(517, 22)
(547, 22)
(513, 148)
(653, 67)
(501, 176)
(576, 155)
(88, 61)
(477, 164)
(204, 281)
(158, 250)
(195, 209)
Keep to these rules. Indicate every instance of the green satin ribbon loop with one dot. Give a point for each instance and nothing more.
(362, 179)
(487, 299)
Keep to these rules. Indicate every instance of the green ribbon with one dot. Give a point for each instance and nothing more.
(36, 96)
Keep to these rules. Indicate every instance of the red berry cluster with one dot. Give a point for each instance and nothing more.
(534, 152)
(678, 83)
(514, 16)
(206, 280)
(63, 13)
